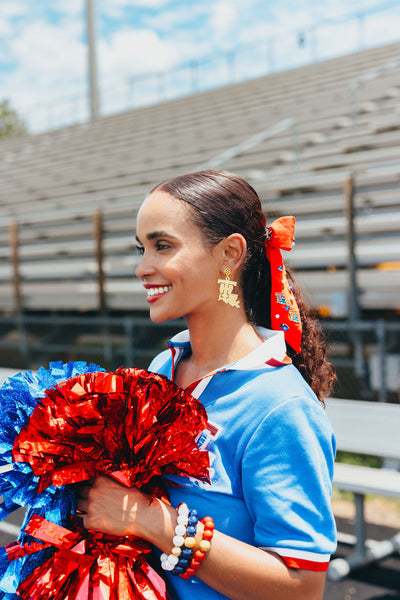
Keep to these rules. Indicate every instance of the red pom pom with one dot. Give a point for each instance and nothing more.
(133, 425)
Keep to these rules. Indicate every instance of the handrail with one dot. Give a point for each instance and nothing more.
(61, 112)
(129, 345)
(224, 157)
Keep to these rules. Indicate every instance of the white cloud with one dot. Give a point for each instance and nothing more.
(13, 8)
(66, 7)
(223, 19)
(134, 51)
(51, 65)
(174, 19)
(8, 11)
(5, 29)
(116, 8)
(137, 37)
(48, 51)
(383, 30)
(146, 3)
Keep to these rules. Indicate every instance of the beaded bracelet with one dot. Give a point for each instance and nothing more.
(189, 543)
(183, 559)
(204, 547)
(169, 562)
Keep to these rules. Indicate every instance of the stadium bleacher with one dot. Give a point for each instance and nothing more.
(53, 183)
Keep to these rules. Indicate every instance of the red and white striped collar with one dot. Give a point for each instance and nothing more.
(272, 353)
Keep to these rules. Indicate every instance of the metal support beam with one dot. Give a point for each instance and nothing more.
(98, 240)
(16, 284)
(380, 332)
(353, 293)
(16, 279)
(92, 60)
(101, 295)
(340, 568)
(359, 525)
(129, 355)
(353, 300)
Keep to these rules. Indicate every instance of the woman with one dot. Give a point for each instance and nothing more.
(204, 247)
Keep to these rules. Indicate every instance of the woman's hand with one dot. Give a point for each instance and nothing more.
(235, 569)
(112, 508)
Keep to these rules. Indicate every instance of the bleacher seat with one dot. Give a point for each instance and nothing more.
(53, 183)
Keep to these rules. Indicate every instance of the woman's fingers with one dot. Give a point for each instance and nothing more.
(82, 505)
(108, 506)
(82, 487)
(83, 491)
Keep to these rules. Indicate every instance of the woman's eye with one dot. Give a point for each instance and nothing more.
(140, 250)
(162, 246)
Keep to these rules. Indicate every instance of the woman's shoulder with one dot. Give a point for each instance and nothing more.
(286, 381)
(272, 395)
(272, 385)
(281, 403)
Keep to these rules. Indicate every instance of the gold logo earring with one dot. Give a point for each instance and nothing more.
(225, 290)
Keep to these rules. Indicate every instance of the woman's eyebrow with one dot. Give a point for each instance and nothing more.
(157, 234)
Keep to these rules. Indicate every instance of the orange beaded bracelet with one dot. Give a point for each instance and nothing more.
(204, 547)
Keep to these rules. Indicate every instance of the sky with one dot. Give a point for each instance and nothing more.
(196, 44)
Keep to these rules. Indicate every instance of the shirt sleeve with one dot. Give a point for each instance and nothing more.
(287, 471)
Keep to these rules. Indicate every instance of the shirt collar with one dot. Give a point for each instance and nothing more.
(271, 353)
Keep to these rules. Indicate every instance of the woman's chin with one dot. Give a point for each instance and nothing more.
(158, 316)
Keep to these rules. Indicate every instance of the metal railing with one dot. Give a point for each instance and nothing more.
(366, 354)
(288, 49)
(222, 160)
(114, 340)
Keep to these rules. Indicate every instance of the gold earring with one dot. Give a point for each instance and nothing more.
(225, 290)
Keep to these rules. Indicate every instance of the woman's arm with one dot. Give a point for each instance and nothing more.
(233, 568)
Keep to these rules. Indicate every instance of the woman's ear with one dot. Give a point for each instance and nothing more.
(234, 248)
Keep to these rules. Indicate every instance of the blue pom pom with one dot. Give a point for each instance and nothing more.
(18, 485)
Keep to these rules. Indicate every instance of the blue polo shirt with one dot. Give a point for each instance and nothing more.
(271, 449)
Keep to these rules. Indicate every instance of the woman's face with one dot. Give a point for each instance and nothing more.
(177, 268)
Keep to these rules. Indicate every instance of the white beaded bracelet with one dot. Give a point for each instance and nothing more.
(169, 561)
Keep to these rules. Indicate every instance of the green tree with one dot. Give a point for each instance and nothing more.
(10, 123)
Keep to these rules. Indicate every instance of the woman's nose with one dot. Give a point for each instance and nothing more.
(144, 267)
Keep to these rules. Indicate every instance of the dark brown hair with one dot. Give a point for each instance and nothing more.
(223, 203)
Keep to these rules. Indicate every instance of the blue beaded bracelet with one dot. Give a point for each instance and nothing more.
(169, 562)
(188, 544)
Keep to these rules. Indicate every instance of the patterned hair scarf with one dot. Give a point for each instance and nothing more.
(285, 313)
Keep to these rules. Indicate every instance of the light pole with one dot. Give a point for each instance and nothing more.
(92, 60)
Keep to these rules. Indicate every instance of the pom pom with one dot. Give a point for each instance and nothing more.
(19, 396)
(73, 425)
(123, 424)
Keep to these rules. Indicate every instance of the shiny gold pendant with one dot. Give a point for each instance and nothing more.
(225, 290)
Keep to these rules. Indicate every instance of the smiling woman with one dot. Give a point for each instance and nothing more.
(169, 243)
(252, 355)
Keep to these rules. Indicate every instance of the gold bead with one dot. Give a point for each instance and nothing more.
(190, 542)
(205, 545)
